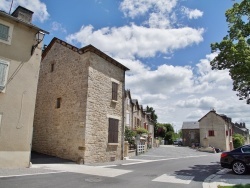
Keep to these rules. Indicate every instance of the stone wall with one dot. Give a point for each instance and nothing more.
(187, 139)
(60, 131)
(79, 128)
(100, 108)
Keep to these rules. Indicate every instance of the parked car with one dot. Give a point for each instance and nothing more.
(238, 160)
(178, 142)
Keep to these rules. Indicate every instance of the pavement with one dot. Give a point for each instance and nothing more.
(226, 177)
(43, 164)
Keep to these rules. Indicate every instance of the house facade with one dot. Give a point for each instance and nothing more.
(190, 133)
(79, 108)
(19, 70)
(216, 131)
(136, 116)
(240, 128)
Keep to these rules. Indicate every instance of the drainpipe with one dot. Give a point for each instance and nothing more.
(122, 134)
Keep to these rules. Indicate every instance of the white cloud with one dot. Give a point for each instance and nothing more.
(55, 26)
(134, 8)
(132, 41)
(183, 93)
(39, 8)
(192, 14)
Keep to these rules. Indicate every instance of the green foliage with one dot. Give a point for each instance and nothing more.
(234, 49)
(165, 131)
(235, 186)
(153, 115)
(141, 130)
(129, 135)
(238, 140)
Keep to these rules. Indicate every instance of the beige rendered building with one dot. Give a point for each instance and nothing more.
(79, 108)
(216, 131)
(19, 71)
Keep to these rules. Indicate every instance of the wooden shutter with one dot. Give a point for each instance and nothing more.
(4, 32)
(113, 130)
(114, 91)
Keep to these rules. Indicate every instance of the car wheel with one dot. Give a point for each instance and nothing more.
(239, 167)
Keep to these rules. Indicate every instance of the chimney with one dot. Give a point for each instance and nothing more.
(23, 14)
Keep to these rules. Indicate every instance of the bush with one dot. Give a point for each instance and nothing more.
(141, 130)
(129, 135)
(238, 140)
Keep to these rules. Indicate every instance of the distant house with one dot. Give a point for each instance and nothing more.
(216, 130)
(79, 111)
(190, 133)
(19, 70)
(240, 128)
(137, 117)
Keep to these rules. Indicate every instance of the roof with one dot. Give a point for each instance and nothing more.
(223, 116)
(190, 125)
(4, 14)
(83, 50)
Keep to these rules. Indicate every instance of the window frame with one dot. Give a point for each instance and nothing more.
(10, 32)
(211, 133)
(58, 102)
(113, 131)
(114, 91)
(3, 87)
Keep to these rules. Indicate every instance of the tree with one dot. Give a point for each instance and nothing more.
(166, 131)
(234, 49)
(152, 113)
(238, 140)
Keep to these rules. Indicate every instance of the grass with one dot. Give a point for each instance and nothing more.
(235, 186)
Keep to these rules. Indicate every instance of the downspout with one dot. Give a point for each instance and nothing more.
(122, 134)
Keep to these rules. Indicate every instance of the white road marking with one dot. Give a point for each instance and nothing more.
(140, 161)
(84, 169)
(34, 174)
(174, 179)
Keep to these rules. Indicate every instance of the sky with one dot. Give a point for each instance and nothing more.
(164, 43)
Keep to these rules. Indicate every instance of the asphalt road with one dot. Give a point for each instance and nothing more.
(161, 167)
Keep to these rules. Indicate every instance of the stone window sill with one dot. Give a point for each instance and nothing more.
(113, 144)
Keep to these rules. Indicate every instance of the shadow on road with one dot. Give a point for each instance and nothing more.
(38, 158)
(199, 172)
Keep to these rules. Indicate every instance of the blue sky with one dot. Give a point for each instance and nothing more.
(165, 43)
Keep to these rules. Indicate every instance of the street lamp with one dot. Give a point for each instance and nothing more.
(39, 38)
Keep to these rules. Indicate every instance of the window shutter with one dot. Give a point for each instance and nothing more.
(114, 91)
(3, 74)
(4, 32)
(113, 130)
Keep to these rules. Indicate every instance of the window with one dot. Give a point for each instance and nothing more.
(114, 91)
(6, 30)
(246, 149)
(58, 102)
(4, 67)
(113, 130)
(127, 118)
(211, 133)
(52, 67)
(226, 132)
(191, 135)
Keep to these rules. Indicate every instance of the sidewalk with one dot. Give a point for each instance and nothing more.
(226, 177)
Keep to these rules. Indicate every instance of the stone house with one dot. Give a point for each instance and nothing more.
(216, 130)
(240, 128)
(79, 112)
(190, 133)
(19, 70)
(137, 117)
